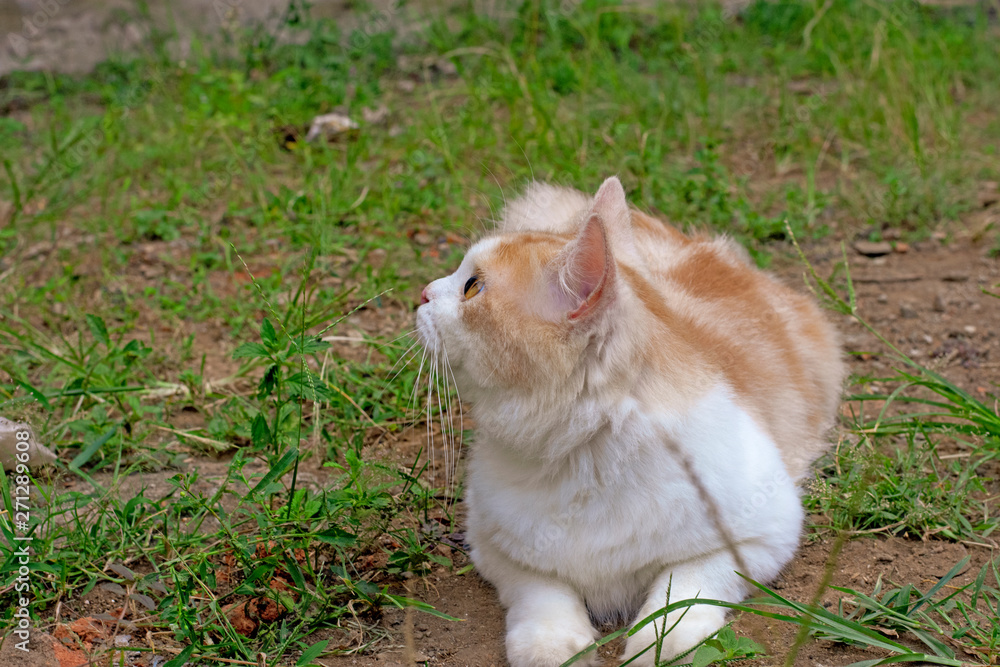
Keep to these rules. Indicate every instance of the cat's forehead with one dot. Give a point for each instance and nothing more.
(516, 252)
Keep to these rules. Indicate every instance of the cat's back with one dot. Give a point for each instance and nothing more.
(774, 347)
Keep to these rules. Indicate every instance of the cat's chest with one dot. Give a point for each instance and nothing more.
(586, 519)
(627, 501)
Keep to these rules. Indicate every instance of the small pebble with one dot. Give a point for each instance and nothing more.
(969, 329)
(907, 312)
(883, 298)
(872, 248)
(939, 303)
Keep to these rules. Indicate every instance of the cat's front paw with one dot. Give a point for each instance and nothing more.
(549, 643)
(699, 623)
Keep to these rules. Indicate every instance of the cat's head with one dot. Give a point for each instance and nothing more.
(532, 303)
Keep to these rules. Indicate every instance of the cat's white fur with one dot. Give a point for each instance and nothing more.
(581, 503)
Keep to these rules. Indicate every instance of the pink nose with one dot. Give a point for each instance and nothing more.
(423, 296)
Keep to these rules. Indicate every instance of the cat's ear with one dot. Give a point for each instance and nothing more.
(612, 208)
(588, 274)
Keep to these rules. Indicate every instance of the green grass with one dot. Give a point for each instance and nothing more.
(894, 479)
(140, 197)
(964, 616)
(905, 489)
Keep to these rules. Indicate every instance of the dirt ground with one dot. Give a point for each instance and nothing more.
(478, 640)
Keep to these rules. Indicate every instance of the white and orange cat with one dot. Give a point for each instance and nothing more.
(645, 403)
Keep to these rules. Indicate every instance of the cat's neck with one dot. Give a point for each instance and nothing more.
(553, 430)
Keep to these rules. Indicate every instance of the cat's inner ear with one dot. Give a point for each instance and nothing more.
(589, 269)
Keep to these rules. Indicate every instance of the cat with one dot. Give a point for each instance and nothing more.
(645, 403)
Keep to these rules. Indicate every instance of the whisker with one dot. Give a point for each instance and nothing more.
(435, 371)
(416, 383)
(430, 402)
(402, 335)
(411, 404)
(402, 364)
(526, 159)
(444, 428)
(461, 410)
(407, 334)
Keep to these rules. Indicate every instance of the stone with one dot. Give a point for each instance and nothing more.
(872, 248)
(13, 435)
(330, 125)
(940, 305)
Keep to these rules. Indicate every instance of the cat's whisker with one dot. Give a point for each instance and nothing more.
(527, 159)
(410, 406)
(441, 422)
(449, 406)
(402, 362)
(412, 403)
(484, 227)
(452, 439)
(461, 415)
(503, 194)
(434, 389)
(429, 422)
(399, 337)
(499, 186)
(496, 367)
(444, 418)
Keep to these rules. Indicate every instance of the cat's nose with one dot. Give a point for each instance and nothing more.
(423, 296)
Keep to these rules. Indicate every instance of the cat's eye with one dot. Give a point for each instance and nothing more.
(473, 286)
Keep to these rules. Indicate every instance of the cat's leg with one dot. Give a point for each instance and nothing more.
(547, 621)
(714, 577)
(547, 624)
(708, 577)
